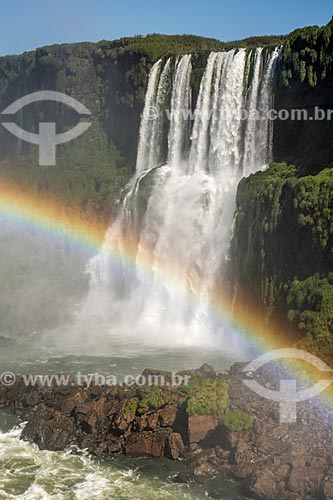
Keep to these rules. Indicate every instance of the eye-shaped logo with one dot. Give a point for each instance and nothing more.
(47, 139)
(288, 395)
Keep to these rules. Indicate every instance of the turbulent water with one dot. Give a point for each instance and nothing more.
(165, 257)
(26, 473)
(163, 264)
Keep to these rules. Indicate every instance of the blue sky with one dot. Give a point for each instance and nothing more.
(26, 25)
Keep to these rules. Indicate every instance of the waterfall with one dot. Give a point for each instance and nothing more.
(258, 138)
(180, 106)
(155, 155)
(250, 151)
(264, 143)
(178, 216)
(225, 154)
(199, 138)
(147, 123)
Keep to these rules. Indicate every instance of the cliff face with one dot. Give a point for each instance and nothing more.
(91, 170)
(304, 80)
(42, 270)
(282, 247)
(283, 230)
(306, 143)
(110, 79)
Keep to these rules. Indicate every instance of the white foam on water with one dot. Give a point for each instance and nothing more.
(27, 473)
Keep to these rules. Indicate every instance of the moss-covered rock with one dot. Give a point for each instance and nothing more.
(153, 397)
(237, 420)
(208, 397)
(307, 55)
(131, 406)
(283, 247)
(304, 80)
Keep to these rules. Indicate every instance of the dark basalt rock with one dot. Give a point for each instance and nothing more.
(271, 460)
(201, 428)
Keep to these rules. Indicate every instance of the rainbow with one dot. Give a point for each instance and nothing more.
(51, 217)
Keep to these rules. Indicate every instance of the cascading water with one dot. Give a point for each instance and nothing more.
(258, 136)
(176, 219)
(200, 133)
(147, 124)
(180, 105)
(156, 144)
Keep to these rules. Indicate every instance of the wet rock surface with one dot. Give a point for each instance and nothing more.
(271, 460)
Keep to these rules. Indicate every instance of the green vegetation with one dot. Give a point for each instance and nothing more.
(283, 240)
(88, 176)
(131, 406)
(208, 397)
(153, 399)
(283, 249)
(237, 420)
(307, 55)
(303, 81)
(92, 169)
(202, 396)
(110, 78)
(310, 308)
(157, 45)
(257, 41)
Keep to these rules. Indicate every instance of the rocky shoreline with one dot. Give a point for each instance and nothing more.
(270, 460)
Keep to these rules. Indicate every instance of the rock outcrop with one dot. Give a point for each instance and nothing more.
(270, 460)
(104, 420)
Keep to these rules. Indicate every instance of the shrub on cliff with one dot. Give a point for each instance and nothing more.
(208, 397)
(282, 249)
(237, 420)
(307, 55)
